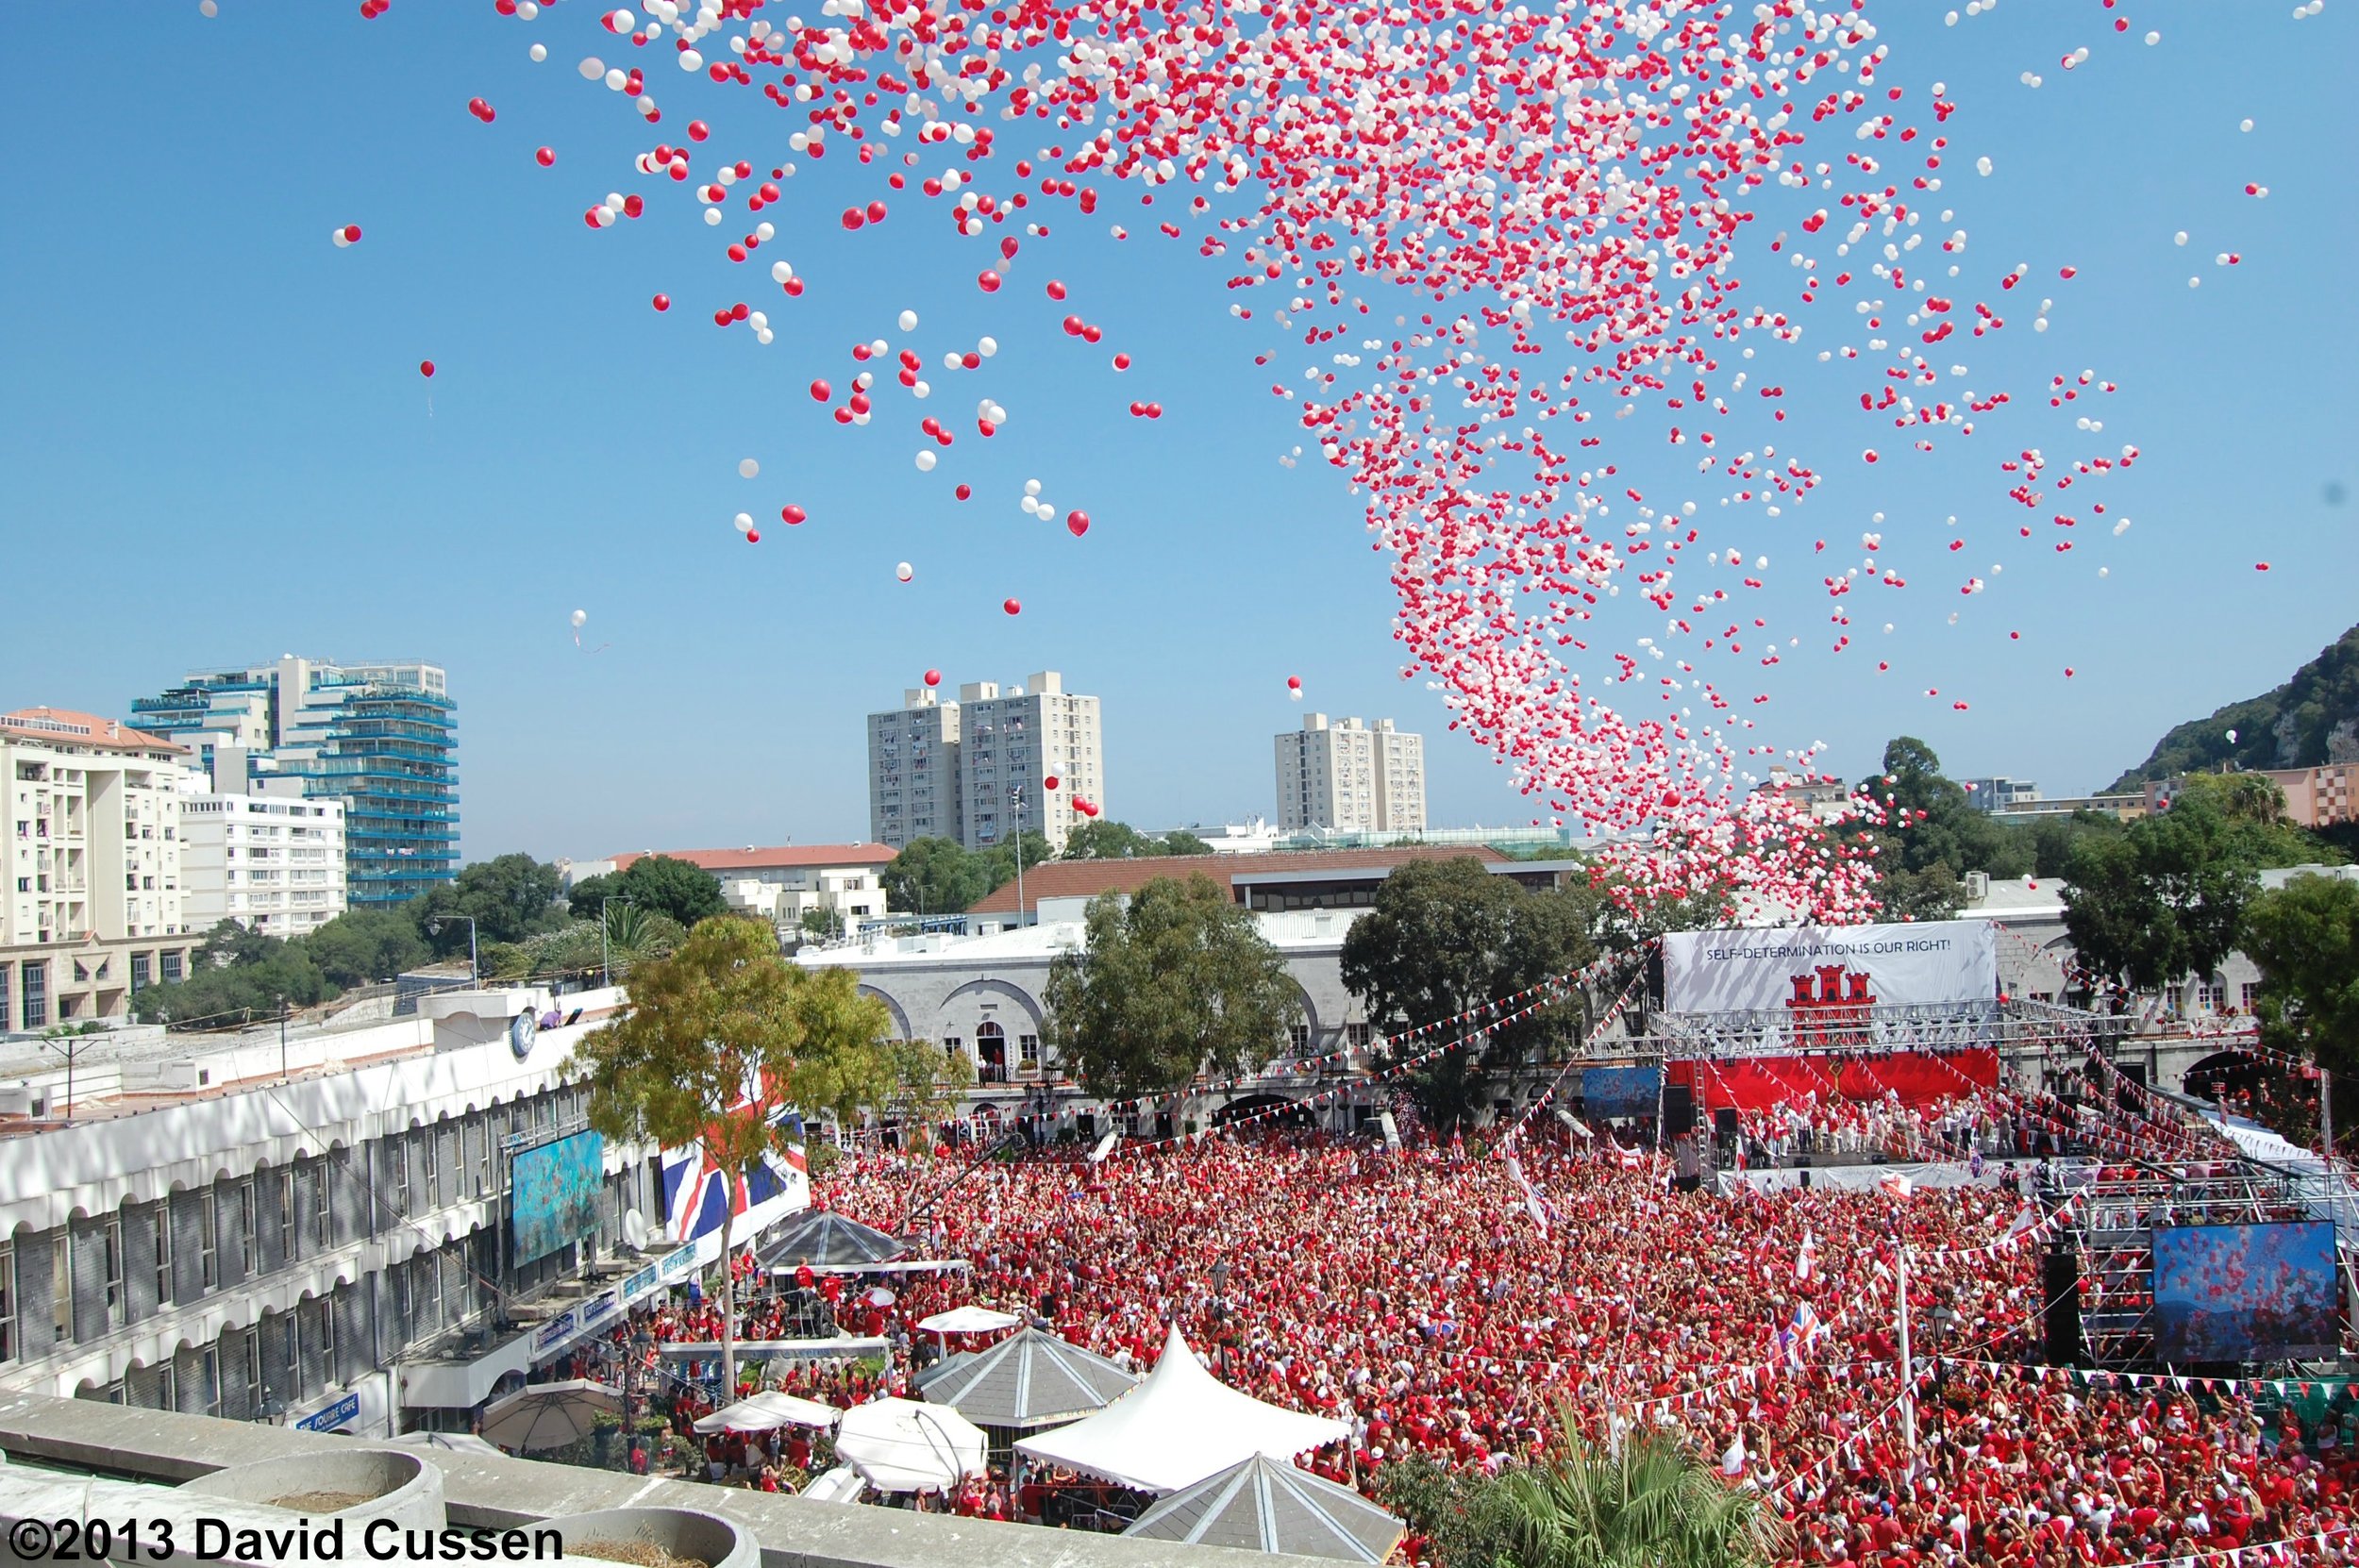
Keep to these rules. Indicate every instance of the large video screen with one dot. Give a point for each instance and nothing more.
(2245, 1293)
(553, 1194)
(1614, 1092)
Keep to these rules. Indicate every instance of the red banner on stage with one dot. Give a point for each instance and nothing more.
(1760, 1083)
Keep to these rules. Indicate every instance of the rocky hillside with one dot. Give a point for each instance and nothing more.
(2313, 718)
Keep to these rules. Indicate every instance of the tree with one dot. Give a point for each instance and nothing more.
(2053, 839)
(1180, 842)
(1933, 821)
(720, 1042)
(1179, 982)
(1461, 1514)
(1933, 894)
(237, 976)
(584, 896)
(998, 861)
(934, 877)
(2165, 898)
(1108, 841)
(1652, 1501)
(923, 1082)
(362, 945)
(2305, 939)
(679, 889)
(509, 897)
(1446, 936)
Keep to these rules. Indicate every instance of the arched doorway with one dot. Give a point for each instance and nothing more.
(990, 1053)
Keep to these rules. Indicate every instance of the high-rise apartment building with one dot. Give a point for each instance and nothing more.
(272, 863)
(977, 769)
(381, 738)
(913, 770)
(1348, 776)
(89, 909)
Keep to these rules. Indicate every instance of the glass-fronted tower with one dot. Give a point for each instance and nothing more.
(382, 738)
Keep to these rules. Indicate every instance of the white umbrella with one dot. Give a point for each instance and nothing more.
(767, 1409)
(550, 1415)
(969, 1319)
(457, 1443)
(841, 1485)
(900, 1445)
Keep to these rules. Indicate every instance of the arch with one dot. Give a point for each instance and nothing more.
(1289, 1111)
(1310, 1010)
(2232, 1071)
(1014, 993)
(900, 1017)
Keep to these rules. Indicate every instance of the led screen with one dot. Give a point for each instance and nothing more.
(553, 1199)
(2245, 1293)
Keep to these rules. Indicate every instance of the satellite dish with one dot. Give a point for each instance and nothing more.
(1105, 1146)
(635, 1230)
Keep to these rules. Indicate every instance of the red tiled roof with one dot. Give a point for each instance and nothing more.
(33, 724)
(783, 857)
(1088, 879)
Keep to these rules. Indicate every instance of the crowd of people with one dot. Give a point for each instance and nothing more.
(1430, 1301)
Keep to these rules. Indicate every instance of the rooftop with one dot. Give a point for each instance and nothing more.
(778, 857)
(1088, 879)
(64, 726)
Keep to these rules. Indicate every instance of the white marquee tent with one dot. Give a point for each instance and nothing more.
(1178, 1426)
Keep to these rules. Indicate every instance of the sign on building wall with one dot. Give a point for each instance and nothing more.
(1802, 967)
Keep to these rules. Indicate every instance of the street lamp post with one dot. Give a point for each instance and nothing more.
(606, 972)
(474, 967)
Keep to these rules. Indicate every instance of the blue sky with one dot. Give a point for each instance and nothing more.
(217, 446)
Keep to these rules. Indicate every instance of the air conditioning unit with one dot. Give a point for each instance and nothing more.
(1977, 886)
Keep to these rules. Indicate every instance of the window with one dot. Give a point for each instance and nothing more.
(163, 1253)
(167, 1387)
(61, 1285)
(111, 1238)
(1357, 1035)
(433, 1171)
(140, 965)
(322, 1233)
(33, 993)
(250, 1348)
(2208, 996)
(248, 1223)
(169, 964)
(8, 1302)
(952, 1044)
(287, 1251)
(2251, 994)
(208, 1371)
(1028, 1050)
(208, 1239)
(1298, 1039)
(397, 1151)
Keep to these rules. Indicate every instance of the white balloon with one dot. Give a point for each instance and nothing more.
(593, 69)
(987, 347)
(579, 616)
(903, 572)
(1032, 486)
(909, 321)
(2232, 737)
(748, 468)
(780, 272)
(538, 53)
(745, 522)
(925, 462)
(206, 8)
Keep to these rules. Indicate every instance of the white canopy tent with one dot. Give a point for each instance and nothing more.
(969, 1319)
(767, 1409)
(1176, 1428)
(901, 1445)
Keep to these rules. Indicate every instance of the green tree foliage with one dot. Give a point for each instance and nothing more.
(998, 861)
(1180, 842)
(2053, 839)
(632, 935)
(2165, 899)
(509, 897)
(2254, 807)
(719, 1038)
(1653, 1502)
(933, 876)
(1109, 840)
(1934, 824)
(2305, 939)
(661, 885)
(2294, 726)
(1462, 1514)
(1446, 935)
(236, 977)
(1179, 982)
(584, 896)
(361, 946)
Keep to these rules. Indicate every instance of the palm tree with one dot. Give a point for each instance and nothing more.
(1654, 1504)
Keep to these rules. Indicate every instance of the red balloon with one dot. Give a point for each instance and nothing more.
(1076, 522)
(753, 536)
(352, 233)
(545, 157)
(820, 391)
(1050, 782)
(663, 302)
(426, 368)
(934, 677)
(792, 514)
(1014, 607)
(1294, 683)
(988, 281)
(965, 491)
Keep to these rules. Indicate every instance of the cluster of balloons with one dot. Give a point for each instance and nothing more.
(1505, 229)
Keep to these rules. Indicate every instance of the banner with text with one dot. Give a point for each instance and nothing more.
(1805, 969)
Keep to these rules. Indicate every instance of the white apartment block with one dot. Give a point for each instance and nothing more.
(273, 864)
(913, 770)
(1350, 776)
(91, 907)
(785, 883)
(1011, 743)
(975, 770)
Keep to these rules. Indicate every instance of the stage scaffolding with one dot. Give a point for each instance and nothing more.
(2015, 1028)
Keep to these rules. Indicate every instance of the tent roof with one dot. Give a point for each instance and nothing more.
(822, 1236)
(901, 1445)
(1265, 1505)
(1178, 1427)
(769, 1409)
(1027, 1380)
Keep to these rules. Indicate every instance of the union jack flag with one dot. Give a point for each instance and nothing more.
(698, 1194)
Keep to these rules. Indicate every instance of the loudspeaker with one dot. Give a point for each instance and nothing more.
(1678, 1109)
(2059, 1284)
(1724, 1124)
